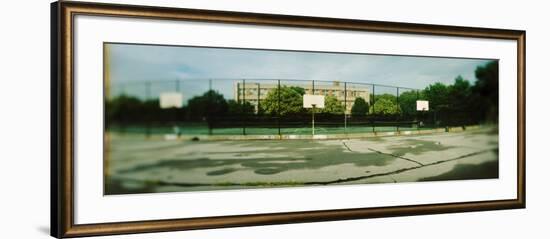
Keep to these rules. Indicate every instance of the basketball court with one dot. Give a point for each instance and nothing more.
(137, 164)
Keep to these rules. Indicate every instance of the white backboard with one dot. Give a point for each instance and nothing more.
(171, 100)
(422, 105)
(317, 100)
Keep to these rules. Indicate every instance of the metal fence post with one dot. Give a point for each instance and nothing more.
(373, 102)
(209, 110)
(416, 111)
(243, 113)
(279, 106)
(345, 107)
(313, 120)
(313, 110)
(398, 109)
(258, 99)
(175, 112)
(147, 96)
(238, 84)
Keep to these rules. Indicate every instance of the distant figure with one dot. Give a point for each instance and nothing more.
(177, 130)
(420, 124)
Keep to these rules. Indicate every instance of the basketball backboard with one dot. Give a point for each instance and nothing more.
(171, 100)
(422, 105)
(314, 100)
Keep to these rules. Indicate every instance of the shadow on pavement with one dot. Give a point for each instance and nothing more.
(468, 171)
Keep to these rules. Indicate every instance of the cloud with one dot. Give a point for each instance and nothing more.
(134, 63)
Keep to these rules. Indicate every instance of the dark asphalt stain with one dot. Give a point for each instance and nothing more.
(417, 147)
(460, 172)
(221, 171)
(300, 155)
(309, 158)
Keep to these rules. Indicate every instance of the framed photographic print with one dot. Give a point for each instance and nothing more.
(172, 119)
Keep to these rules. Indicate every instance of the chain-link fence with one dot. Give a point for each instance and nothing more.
(268, 107)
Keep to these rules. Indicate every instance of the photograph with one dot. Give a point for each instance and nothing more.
(202, 118)
(167, 118)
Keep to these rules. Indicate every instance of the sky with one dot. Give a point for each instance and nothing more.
(139, 63)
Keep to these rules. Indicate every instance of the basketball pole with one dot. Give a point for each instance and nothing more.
(313, 120)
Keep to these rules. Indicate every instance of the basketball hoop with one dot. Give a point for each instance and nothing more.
(422, 105)
(314, 101)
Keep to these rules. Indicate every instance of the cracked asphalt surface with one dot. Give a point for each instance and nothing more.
(139, 165)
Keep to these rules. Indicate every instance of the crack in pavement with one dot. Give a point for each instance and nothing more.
(259, 184)
(397, 156)
(380, 152)
(347, 147)
(397, 171)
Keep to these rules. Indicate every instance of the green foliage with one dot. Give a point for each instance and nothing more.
(123, 108)
(460, 94)
(407, 102)
(360, 107)
(286, 101)
(235, 108)
(384, 106)
(300, 90)
(129, 109)
(210, 104)
(487, 78)
(438, 96)
(485, 91)
(333, 106)
(463, 102)
(386, 96)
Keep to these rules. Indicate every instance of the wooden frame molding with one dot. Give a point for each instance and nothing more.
(62, 115)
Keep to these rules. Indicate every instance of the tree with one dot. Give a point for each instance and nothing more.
(209, 105)
(235, 108)
(123, 109)
(385, 106)
(438, 96)
(407, 102)
(360, 107)
(485, 91)
(460, 94)
(333, 105)
(460, 103)
(287, 100)
(386, 96)
(300, 90)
